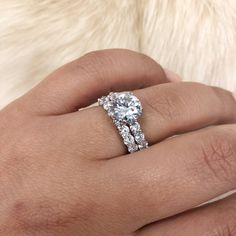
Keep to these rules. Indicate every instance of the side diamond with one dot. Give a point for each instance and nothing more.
(139, 137)
(143, 145)
(128, 139)
(133, 148)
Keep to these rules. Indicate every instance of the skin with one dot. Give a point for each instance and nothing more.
(66, 172)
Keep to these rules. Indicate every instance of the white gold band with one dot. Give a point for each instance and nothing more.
(138, 136)
(127, 137)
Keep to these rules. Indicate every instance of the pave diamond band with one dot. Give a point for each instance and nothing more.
(127, 136)
(125, 108)
(138, 136)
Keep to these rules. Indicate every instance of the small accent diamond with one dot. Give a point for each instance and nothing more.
(139, 137)
(133, 148)
(124, 130)
(143, 145)
(101, 101)
(128, 139)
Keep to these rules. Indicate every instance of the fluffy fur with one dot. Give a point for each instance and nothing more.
(196, 38)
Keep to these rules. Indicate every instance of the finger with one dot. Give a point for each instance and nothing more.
(175, 175)
(82, 81)
(168, 109)
(218, 218)
(176, 108)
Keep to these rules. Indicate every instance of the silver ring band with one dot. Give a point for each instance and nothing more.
(138, 136)
(125, 108)
(127, 137)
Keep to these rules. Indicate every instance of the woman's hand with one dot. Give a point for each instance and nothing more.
(66, 172)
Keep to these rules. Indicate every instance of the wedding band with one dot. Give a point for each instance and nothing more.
(125, 108)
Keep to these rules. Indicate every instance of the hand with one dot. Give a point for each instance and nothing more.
(66, 172)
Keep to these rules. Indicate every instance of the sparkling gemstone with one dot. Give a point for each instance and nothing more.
(106, 105)
(132, 148)
(139, 137)
(143, 145)
(124, 130)
(101, 101)
(126, 107)
(128, 139)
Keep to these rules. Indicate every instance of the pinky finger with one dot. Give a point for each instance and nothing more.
(218, 218)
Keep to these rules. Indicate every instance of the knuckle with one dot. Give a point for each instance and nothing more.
(219, 155)
(151, 68)
(96, 65)
(87, 65)
(94, 57)
(98, 60)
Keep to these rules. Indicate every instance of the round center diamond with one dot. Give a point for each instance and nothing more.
(126, 107)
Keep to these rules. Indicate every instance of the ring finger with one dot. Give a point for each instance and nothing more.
(168, 109)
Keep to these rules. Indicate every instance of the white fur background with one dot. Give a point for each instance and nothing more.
(196, 38)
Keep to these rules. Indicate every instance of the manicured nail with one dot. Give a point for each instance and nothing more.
(172, 76)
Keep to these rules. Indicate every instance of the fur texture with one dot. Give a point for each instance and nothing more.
(195, 38)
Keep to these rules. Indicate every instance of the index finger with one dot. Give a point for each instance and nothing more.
(81, 82)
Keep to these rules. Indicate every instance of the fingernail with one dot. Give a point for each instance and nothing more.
(172, 76)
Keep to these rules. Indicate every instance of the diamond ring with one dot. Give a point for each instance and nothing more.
(125, 108)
